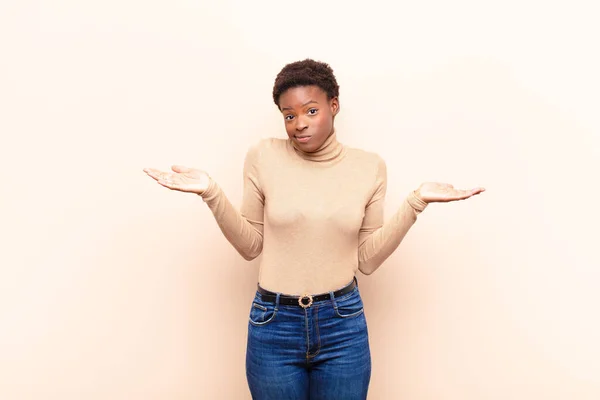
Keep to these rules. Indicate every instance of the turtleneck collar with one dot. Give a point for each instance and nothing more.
(330, 150)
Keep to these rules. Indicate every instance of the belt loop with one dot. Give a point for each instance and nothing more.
(332, 297)
(277, 301)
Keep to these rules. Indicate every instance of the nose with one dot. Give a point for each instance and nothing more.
(301, 124)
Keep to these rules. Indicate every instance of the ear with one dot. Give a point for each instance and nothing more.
(334, 105)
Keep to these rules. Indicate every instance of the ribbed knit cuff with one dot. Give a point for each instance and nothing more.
(415, 202)
(211, 191)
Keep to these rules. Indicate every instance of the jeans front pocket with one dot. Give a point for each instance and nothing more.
(261, 312)
(349, 306)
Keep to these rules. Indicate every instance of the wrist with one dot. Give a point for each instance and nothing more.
(209, 186)
(417, 194)
(416, 202)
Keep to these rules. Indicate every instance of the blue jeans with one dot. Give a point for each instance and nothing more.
(320, 352)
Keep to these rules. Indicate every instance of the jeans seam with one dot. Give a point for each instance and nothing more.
(318, 336)
(349, 315)
(306, 328)
(336, 300)
(264, 322)
(270, 319)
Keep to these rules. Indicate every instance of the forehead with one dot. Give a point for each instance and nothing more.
(299, 95)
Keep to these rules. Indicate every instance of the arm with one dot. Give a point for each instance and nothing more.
(243, 229)
(378, 240)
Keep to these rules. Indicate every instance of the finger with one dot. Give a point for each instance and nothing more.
(180, 168)
(154, 173)
(169, 184)
(465, 194)
(159, 175)
(165, 177)
(151, 170)
(461, 194)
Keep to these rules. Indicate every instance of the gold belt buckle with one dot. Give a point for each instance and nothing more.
(305, 296)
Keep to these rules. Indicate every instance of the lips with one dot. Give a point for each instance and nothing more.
(303, 139)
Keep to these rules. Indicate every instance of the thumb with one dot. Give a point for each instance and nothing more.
(180, 168)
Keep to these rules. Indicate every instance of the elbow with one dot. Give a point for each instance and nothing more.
(252, 253)
(370, 265)
(366, 265)
(366, 269)
(249, 256)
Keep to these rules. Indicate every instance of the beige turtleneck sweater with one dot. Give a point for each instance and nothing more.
(316, 217)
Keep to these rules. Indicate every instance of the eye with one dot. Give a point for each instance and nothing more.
(312, 111)
(288, 117)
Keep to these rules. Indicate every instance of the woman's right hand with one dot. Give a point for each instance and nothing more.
(182, 178)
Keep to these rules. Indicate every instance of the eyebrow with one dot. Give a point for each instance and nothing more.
(308, 102)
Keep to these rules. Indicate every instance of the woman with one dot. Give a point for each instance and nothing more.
(314, 209)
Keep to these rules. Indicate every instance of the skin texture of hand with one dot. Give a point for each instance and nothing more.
(182, 178)
(435, 192)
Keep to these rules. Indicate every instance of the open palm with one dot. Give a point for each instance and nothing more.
(432, 192)
(182, 178)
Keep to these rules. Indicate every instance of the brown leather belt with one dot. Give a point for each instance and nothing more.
(306, 300)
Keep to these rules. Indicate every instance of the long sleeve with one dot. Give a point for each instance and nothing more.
(244, 228)
(378, 240)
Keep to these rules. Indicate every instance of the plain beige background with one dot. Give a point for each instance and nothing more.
(108, 281)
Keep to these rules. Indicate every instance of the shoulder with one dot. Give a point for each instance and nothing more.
(267, 144)
(263, 148)
(367, 159)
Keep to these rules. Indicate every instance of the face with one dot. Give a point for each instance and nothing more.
(308, 115)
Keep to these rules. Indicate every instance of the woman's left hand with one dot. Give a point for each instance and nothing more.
(434, 192)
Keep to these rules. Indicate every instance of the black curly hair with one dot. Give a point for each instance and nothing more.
(305, 73)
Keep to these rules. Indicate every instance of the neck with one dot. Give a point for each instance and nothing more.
(330, 150)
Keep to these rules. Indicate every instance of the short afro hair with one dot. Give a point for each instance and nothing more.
(305, 73)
